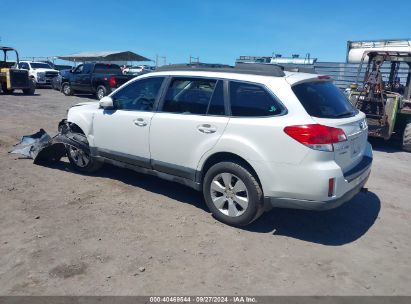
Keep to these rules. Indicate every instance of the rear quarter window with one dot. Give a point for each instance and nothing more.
(247, 100)
(323, 100)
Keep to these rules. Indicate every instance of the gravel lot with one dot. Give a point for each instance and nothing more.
(121, 233)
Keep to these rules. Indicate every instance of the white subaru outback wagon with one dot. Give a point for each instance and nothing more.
(250, 137)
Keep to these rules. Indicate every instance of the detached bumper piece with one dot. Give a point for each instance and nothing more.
(42, 148)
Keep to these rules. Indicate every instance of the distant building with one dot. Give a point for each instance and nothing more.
(278, 59)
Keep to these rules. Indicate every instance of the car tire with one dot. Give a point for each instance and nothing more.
(31, 90)
(406, 137)
(101, 92)
(8, 92)
(81, 160)
(5, 90)
(238, 203)
(66, 89)
(33, 80)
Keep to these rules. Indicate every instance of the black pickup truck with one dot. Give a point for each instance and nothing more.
(94, 78)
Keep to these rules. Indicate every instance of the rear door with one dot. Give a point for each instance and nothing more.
(190, 121)
(327, 105)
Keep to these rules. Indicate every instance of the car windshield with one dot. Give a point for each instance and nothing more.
(39, 65)
(324, 100)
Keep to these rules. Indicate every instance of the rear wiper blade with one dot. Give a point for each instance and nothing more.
(345, 114)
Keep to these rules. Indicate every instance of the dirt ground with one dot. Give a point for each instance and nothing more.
(121, 233)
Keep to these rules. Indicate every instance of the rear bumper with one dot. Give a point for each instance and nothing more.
(271, 202)
(310, 188)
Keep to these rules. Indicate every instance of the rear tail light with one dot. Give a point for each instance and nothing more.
(112, 82)
(315, 136)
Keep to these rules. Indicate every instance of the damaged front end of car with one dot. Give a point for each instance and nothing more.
(41, 147)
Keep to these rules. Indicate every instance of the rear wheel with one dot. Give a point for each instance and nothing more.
(406, 137)
(66, 89)
(101, 92)
(80, 159)
(232, 194)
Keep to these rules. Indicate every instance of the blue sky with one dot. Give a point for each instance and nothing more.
(216, 31)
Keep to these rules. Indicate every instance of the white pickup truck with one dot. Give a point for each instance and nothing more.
(40, 72)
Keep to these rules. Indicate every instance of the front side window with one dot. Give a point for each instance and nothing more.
(24, 66)
(87, 69)
(190, 96)
(79, 69)
(139, 95)
(252, 100)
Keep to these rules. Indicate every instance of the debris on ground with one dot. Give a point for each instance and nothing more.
(41, 147)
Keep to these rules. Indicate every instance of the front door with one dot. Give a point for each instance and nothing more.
(123, 133)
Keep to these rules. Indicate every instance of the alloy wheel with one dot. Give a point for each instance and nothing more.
(80, 158)
(229, 194)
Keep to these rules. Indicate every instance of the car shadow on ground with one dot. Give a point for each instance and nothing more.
(335, 227)
(147, 182)
(20, 94)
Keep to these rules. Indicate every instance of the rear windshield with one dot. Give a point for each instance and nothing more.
(102, 68)
(324, 100)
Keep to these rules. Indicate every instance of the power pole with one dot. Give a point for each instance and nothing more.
(164, 60)
(196, 59)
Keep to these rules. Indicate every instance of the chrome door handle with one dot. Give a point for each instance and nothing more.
(206, 128)
(140, 122)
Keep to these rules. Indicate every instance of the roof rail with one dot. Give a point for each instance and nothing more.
(309, 70)
(239, 68)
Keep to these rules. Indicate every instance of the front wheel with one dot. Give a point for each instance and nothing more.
(5, 90)
(31, 89)
(232, 194)
(80, 159)
(66, 89)
(406, 137)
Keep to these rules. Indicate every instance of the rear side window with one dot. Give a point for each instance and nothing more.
(101, 68)
(323, 100)
(191, 96)
(252, 100)
(216, 106)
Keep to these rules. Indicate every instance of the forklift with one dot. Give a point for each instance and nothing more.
(385, 97)
(11, 77)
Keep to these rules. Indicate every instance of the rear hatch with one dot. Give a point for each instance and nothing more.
(328, 106)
